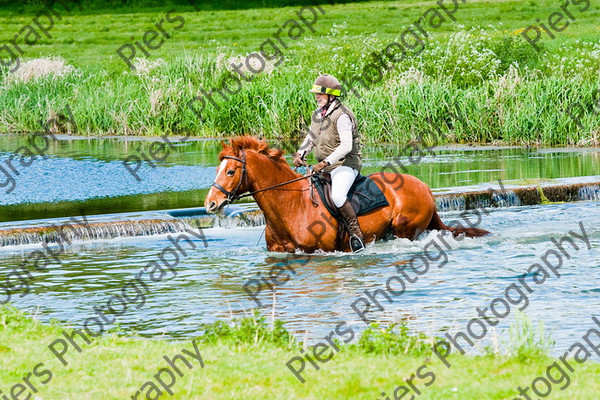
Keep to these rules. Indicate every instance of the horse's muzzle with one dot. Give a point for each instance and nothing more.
(214, 207)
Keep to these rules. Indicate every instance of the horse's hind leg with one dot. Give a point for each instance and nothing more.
(403, 227)
(410, 222)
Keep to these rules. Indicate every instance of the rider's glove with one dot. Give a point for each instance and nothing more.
(298, 161)
(320, 166)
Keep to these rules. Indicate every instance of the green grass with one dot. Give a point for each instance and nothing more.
(465, 66)
(246, 360)
(132, 5)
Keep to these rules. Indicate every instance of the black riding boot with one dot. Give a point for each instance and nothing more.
(356, 237)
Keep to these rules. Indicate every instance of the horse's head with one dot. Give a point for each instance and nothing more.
(231, 181)
(232, 175)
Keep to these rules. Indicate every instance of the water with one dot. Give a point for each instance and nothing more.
(88, 174)
(209, 281)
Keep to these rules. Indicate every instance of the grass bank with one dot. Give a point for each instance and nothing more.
(247, 361)
(477, 79)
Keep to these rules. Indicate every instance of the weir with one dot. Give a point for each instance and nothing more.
(514, 197)
(248, 215)
(67, 233)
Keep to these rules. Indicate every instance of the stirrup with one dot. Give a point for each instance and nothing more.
(356, 244)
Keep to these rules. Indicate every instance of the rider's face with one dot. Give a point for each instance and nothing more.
(321, 99)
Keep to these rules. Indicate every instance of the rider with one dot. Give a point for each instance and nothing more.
(334, 135)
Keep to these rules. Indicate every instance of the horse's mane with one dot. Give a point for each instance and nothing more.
(251, 143)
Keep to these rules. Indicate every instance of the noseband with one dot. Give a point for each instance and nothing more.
(232, 195)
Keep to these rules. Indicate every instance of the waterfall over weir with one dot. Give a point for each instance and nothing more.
(69, 232)
(239, 216)
(520, 196)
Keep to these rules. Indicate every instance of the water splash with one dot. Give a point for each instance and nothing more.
(240, 219)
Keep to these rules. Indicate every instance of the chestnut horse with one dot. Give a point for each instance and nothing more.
(294, 222)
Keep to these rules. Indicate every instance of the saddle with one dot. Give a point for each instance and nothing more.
(364, 195)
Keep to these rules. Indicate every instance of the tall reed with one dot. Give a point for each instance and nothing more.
(476, 86)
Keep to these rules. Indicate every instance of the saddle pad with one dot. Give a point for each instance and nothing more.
(364, 195)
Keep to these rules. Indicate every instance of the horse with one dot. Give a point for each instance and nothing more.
(295, 220)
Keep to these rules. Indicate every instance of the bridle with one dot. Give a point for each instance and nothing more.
(233, 196)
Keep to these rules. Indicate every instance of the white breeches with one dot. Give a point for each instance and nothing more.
(342, 179)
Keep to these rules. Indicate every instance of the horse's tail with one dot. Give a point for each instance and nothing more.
(437, 224)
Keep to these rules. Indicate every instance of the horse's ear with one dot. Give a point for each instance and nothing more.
(223, 144)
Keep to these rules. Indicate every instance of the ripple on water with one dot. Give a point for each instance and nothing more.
(208, 285)
(68, 179)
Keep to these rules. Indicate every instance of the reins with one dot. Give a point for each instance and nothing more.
(272, 187)
(233, 196)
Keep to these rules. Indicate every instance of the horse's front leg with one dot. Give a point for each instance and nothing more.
(277, 244)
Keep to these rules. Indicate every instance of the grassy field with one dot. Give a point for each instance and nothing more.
(476, 80)
(247, 361)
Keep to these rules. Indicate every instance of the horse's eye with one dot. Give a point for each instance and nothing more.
(230, 172)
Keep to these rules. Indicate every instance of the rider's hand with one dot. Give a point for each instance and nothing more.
(320, 166)
(298, 161)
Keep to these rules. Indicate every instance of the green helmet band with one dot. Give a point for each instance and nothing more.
(325, 90)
